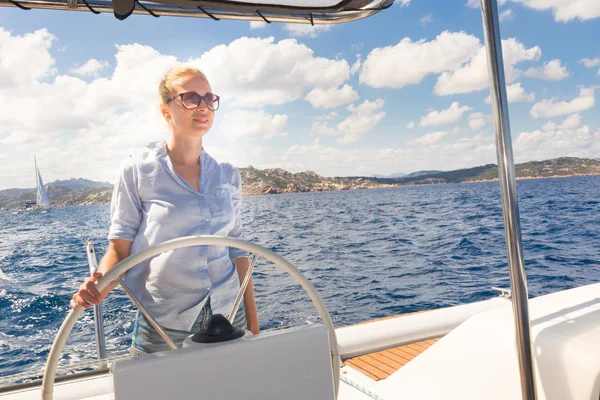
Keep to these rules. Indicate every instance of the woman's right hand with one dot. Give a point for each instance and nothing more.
(88, 293)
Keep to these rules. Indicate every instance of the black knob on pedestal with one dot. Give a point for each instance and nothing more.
(219, 330)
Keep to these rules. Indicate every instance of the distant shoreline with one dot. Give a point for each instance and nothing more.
(259, 182)
(528, 178)
(356, 188)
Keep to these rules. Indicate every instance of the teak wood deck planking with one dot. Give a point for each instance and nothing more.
(381, 364)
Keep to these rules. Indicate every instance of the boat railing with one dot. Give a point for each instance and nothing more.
(98, 318)
(504, 293)
(508, 190)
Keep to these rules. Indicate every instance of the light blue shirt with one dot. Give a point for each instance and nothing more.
(150, 204)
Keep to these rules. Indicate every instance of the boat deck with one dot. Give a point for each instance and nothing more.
(384, 363)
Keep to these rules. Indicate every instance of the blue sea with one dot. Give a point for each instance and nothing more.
(370, 253)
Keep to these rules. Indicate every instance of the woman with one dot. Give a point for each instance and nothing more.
(172, 189)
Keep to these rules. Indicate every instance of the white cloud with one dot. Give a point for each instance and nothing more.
(366, 161)
(553, 108)
(90, 154)
(91, 68)
(450, 115)
(328, 117)
(403, 3)
(74, 118)
(473, 76)
(551, 71)
(410, 125)
(409, 62)
(319, 157)
(430, 138)
(364, 117)
(450, 153)
(356, 66)
(559, 142)
(306, 30)
(331, 98)
(590, 63)
(566, 10)
(444, 155)
(571, 122)
(477, 121)
(243, 125)
(426, 19)
(516, 94)
(258, 24)
(507, 15)
(26, 58)
(17, 137)
(66, 105)
(254, 72)
(323, 128)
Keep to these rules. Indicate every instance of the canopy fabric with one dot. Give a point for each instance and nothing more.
(306, 11)
(297, 6)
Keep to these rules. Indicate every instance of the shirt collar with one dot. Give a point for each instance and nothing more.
(160, 148)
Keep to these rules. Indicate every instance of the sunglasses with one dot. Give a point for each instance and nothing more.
(192, 100)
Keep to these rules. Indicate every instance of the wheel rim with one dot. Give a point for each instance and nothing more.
(189, 241)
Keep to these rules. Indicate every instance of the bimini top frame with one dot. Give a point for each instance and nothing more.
(303, 11)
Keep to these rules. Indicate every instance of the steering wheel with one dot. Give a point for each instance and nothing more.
(189, 241)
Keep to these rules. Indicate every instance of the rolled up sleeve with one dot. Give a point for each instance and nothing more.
(237, 231)
(125, 206)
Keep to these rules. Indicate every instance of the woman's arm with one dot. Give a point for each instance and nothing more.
(242, 266)
(88, 294)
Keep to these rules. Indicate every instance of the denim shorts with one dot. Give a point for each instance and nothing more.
(145, 339)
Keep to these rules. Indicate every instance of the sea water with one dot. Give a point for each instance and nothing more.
(370, 253)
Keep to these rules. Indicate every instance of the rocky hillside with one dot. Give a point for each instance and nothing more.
(277, 180)
(557, 167)
(58, 195)
(81, 183)
(563, 166)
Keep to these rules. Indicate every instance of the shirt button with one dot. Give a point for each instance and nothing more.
(207, 219)
(208, 288)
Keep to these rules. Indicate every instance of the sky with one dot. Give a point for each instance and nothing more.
(401, 91)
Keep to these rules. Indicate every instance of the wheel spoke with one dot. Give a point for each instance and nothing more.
(240, 295)
(149, 317)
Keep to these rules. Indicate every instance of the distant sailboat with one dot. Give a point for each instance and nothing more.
(42, 197)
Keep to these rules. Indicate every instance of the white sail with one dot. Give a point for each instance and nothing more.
(42, 196)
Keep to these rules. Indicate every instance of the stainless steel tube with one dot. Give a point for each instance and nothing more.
(98, 320)
(243, 286)
(152, 321)
(508, 187)
(105, 6)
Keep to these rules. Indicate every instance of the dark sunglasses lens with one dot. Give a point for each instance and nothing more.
(190, 100)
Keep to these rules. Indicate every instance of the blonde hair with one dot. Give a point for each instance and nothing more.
(165, 88)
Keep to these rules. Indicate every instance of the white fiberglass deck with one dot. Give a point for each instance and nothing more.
(476, 360)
